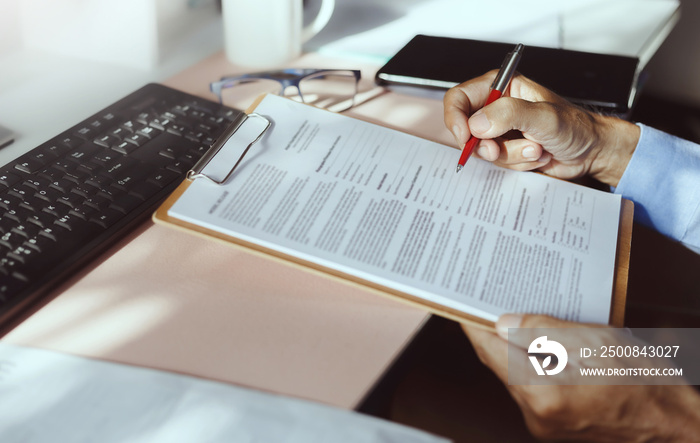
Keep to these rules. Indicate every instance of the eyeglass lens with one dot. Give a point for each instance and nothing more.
(332, 90)
(242, 93)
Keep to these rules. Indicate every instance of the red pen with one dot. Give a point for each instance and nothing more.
(498, 86)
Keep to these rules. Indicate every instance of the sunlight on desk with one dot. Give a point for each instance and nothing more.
(194, 306)
(102, 321)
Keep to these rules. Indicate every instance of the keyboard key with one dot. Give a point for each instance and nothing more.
(40, 243)
(27, 229)
(97, 125)
(55, 210)
(89, 168)
(85, 132)
(99, 203)
(119, 167)
(144, 190)
(99, 181)
(8, 202)
(51, 174)
(108, 117)
(6, 225)
(70, 222)
(62, 185)
(20, 191)
(159, 123)
(41, 219)
(83, 212)
(162, 178)
(107, 218)
(36, 183)
(84, 152)
(76, 175)
(71, 200)
(43, 157)
(137, 139)
(172, 152)
(48, 195)
(126, 203)
(178, 129)
(145, 117)
(29, 165)
(108, 193)
(18, 214)
(56, 150)
(32, 203)
(82, 190)
(50, 232)
(119, 133)
(199, 149)
(23, 254)
(8, 178)
(195, 136)
(130, 126)
(183, 165)
(125, 147)
(11, 240)
(63, 165)
(105, 158)
(107, 141)
(71, 142)
(149, 132)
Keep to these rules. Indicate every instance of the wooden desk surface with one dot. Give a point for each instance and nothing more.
(168, 300)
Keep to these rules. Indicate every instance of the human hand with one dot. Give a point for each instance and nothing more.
(589, 412)
(531, 127)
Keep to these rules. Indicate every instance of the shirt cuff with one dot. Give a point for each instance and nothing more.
(662, 180)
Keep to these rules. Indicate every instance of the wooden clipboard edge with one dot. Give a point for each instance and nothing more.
(622, 264)
(255, 104)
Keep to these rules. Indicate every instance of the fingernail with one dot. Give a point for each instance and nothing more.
(530, 153)
(483, 152)
(506, 321)
(479, 123)
(458, 134)
(545, 158)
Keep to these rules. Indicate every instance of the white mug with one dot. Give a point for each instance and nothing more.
(268, 33)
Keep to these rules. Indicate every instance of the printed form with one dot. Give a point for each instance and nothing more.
(388, 207)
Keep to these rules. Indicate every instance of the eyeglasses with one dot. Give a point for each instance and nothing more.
(332, 89)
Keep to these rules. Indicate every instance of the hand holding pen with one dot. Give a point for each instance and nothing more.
(505, 74)
(536, 129)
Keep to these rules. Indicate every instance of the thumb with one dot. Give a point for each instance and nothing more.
(537, 121)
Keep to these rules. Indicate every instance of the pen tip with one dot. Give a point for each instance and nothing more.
(459, 168)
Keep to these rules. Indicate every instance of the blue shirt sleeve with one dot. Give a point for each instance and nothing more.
(663, 181)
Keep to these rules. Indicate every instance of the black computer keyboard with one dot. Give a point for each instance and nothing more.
(67, 200)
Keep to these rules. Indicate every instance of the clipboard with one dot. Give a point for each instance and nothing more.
(199, 172)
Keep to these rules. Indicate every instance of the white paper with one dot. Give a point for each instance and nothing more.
(377, 30)
(389, 208)
(48, 397)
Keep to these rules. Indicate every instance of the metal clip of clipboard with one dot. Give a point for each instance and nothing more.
(199, 170)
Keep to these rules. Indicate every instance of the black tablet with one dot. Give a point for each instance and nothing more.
(601, 81)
